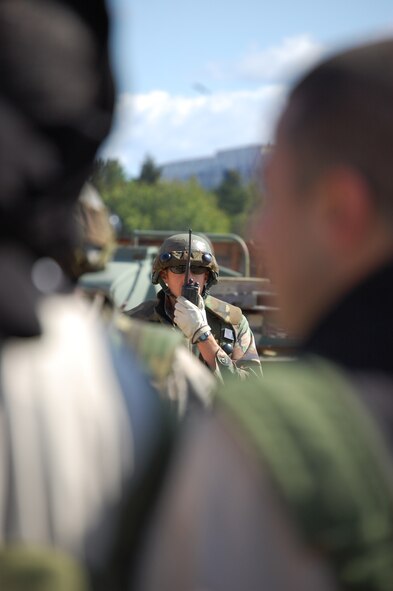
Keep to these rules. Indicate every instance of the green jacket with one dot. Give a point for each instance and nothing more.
(330, 463)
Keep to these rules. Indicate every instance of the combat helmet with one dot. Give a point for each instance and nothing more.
(174, 253)
(94, 234)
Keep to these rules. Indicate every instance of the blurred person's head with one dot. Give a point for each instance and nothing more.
(327, 221)
(56, 103)
(95, 235)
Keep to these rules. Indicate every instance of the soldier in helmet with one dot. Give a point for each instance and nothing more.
(217, 331)
(174, 372)
(290, 484)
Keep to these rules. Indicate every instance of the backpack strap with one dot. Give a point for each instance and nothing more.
(329, 463)
(226, 312)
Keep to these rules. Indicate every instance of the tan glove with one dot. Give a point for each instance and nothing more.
(191, 319)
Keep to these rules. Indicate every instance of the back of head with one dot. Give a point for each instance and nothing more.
(327, 224)
(341, 114)
(56, 106)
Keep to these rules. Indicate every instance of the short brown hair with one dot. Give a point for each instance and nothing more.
(342, 113)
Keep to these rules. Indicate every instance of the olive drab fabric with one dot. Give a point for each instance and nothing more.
(35, 568)
(329, 464)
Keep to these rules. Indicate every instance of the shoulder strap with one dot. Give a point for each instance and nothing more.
(227, 312)
(329, 463)
(145, 311)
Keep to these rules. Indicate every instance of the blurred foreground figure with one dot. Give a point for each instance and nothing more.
(79, 425)
(290, 485)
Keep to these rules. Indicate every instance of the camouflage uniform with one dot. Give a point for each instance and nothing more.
(228, 325)
(238, 354)
(173, 371)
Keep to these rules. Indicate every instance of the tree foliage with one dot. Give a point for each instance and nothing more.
(149, 202)
(150, 173)
(233, 195)
(107, 174)
(163, 205)
(170, 206)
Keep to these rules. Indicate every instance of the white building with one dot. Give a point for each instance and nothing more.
(209, 171)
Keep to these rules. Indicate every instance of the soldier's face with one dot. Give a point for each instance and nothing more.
(175, 281)
(288, 235)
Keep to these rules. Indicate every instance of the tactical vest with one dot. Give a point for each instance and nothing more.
(222, 317)
(329, 463)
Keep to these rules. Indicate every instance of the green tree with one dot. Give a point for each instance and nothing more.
(107, 175)
(167, 206)
(150, 203)
(240, 223)
(150, 173)
(233, 196)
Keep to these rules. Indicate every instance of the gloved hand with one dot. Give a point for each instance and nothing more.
(191, 319)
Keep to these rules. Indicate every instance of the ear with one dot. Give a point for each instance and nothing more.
(345, 208)
(164, 274)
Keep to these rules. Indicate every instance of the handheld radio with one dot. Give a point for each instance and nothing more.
(190, 288)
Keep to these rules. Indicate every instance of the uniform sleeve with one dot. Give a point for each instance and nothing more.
(244, 361)
(189, 383)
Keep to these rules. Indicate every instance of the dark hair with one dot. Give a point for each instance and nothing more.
(56, 103)
(342, 113)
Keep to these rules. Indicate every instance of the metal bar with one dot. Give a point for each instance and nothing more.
(212, 236)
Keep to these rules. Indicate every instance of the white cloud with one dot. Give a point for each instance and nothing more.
(282, 62)
(273, 64)
(174, 127)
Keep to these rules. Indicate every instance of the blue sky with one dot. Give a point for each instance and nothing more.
(194, 77)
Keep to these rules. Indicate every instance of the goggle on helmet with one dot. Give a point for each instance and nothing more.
(174, 253)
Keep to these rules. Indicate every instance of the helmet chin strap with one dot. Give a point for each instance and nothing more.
(165, 288)
(168, 296)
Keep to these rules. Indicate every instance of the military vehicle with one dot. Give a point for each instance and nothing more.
(126, 280)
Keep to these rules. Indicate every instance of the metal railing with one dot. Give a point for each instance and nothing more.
(213, 237)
